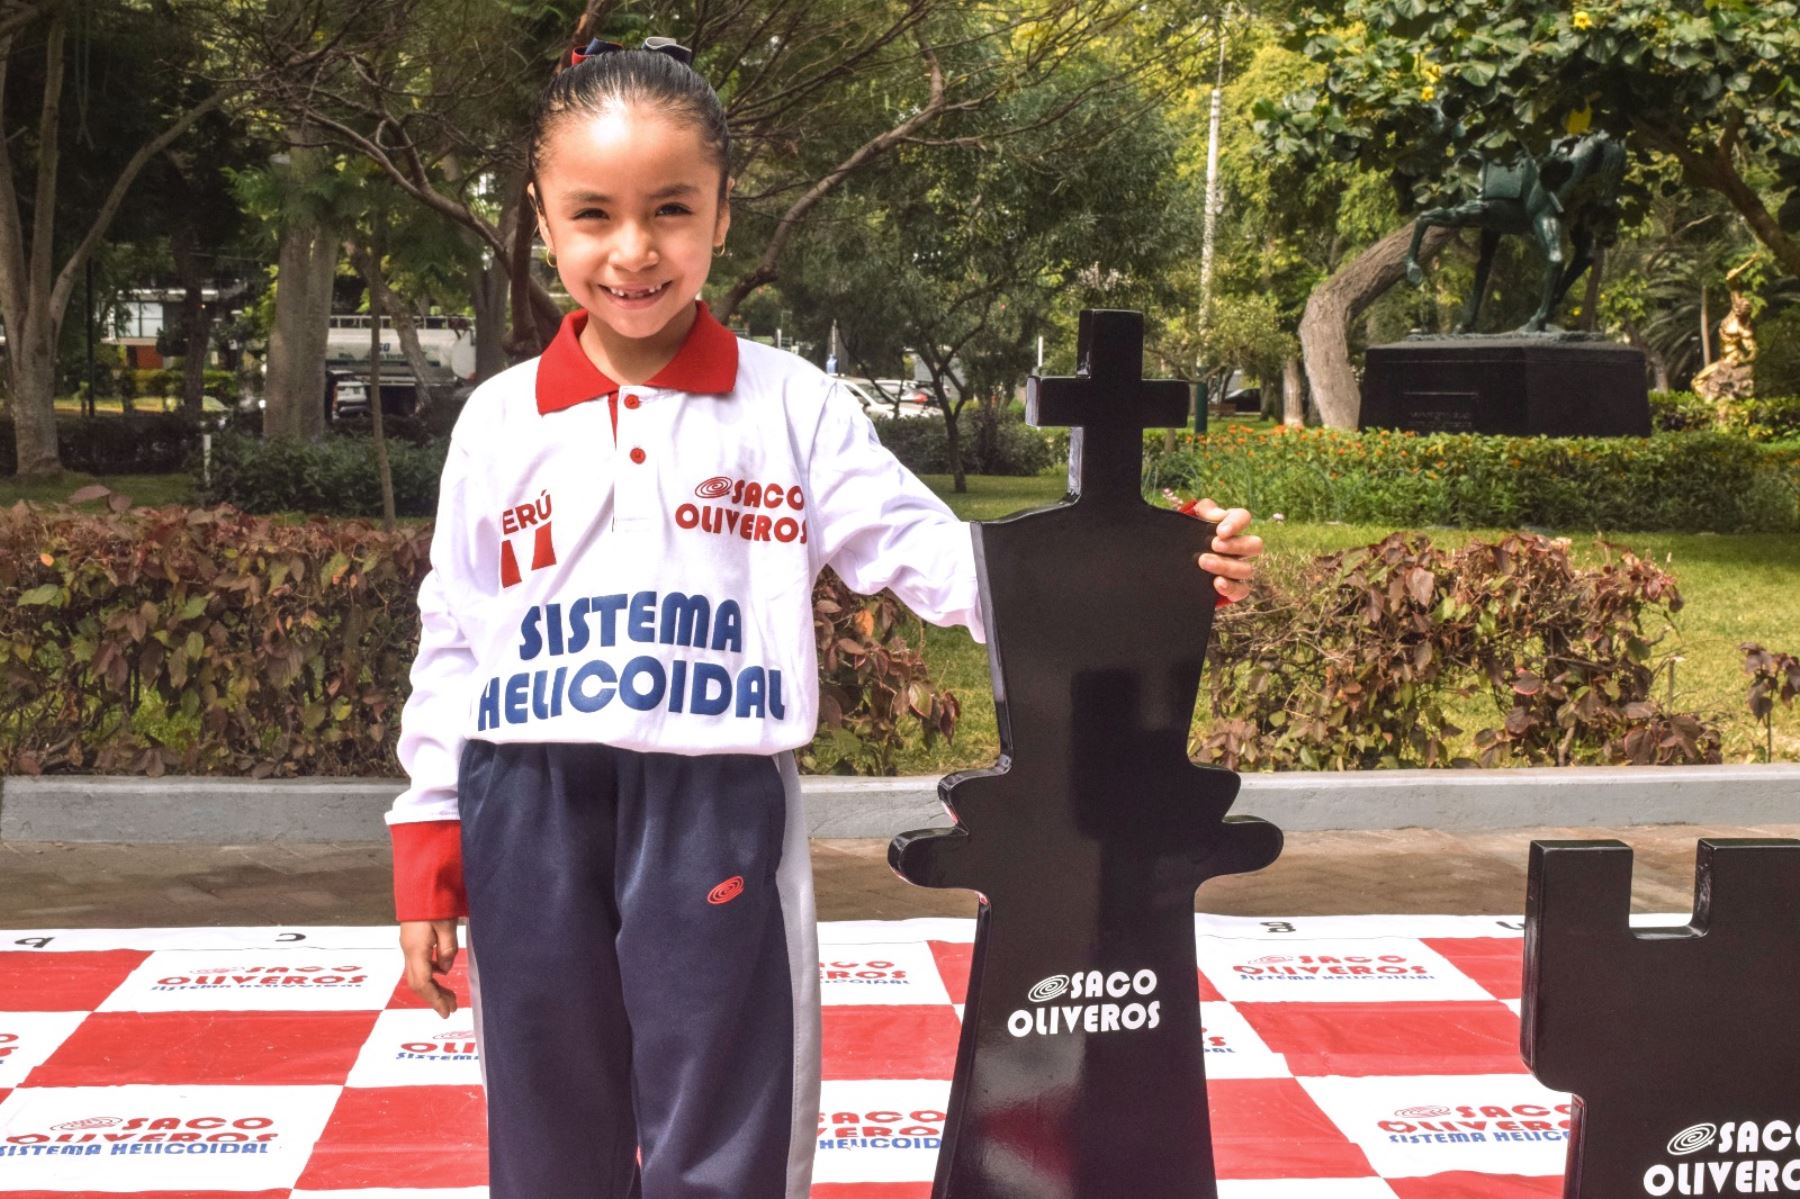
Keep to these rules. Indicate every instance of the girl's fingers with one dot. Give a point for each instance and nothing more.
(1232, 589)
(1238, 547)
(446, 945)
(1230, 568)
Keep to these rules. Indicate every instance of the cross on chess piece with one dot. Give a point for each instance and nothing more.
(1080, 1072)
(1682, 1045)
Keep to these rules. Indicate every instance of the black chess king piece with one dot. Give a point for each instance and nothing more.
(1681, 1045)
(1080, 1071)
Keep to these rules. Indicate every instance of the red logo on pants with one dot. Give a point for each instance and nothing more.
(726, 891)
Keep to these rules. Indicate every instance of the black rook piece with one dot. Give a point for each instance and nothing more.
(1080, 1074)
(1682, 1045)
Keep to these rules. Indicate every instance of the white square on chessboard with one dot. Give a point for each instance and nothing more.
(415, 1047)
(868, 975)
(260, 980)
(1433, 1124)
(1233, 1050)
(880, 1130)
(27, 1039)
(249, 1138)
(1300, 1188)
(1369, 970)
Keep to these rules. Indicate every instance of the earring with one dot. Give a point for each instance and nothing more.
(549, 258)
(719, 250)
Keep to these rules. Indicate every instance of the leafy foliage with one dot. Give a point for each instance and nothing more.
(1689, 481)
(1773, 676)
(1355, 666)
(208, 641)
(872, 682)
(1414, 89)
(1773, 419)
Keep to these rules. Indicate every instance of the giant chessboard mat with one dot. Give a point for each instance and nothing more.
(1349, 1057)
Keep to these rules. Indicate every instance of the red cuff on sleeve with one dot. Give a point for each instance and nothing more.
(428, 879)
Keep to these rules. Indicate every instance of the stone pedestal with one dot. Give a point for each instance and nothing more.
(1519, 386)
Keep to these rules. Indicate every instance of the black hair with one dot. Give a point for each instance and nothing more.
(653, 78)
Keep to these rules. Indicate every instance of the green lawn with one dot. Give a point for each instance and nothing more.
(144, 490)
(1737, 588)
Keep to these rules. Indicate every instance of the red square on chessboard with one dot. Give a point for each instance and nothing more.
(1368, 1039)
(953, 958)
(199, 1048)
(63, 982)
(1271, 1128)
(1497, 963)
(898, 1041)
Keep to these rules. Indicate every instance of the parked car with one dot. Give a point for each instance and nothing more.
(902, 398)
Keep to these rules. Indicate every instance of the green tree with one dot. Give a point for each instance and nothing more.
(965, 252)
(1712, 84)
(137, 88)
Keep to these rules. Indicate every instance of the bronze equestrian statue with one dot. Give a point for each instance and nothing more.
(1575, 185)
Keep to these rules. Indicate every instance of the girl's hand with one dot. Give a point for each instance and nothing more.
(430, 949)
(1233, 559)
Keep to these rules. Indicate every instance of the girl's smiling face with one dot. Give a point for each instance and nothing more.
(629, 202)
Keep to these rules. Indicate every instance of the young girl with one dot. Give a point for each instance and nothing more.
(617, 661)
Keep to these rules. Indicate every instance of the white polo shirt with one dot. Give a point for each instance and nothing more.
(638, 571)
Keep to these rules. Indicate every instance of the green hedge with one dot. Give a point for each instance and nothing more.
(1688, 481)
(1002, 445)
(1771, 418)
(207, 641)
(334, 477)
(222, 385)
(145, 443)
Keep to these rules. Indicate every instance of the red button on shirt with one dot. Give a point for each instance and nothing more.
(631, 401)
(637, 455)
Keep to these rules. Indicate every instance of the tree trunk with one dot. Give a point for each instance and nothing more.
(31, 378)
(307, 263)
(1293, 392)
(370, 262)
(953, 446)
(408, 332)
(1335, 303)
(487, 295)
(196, 325)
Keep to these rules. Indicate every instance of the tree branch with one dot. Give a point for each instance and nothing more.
(65, 280)
(766, 269)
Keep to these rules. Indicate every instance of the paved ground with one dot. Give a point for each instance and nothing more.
(56, 885)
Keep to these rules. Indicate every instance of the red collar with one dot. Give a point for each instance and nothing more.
(706, 364)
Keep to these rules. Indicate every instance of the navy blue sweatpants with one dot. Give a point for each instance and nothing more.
(645, 967)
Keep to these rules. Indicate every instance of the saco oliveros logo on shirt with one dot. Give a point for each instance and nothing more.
(1114, 1001)
(1734, 1157)
(769, 511)
(132, 1135)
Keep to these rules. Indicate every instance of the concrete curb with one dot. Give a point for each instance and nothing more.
(213, 811)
